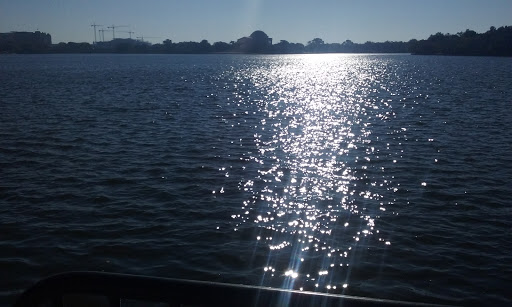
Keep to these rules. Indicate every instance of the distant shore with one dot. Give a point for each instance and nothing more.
(494, 42)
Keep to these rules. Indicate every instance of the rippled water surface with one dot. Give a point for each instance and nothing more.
(385, 176)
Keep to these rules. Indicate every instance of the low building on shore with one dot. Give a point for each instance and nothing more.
(25, 42)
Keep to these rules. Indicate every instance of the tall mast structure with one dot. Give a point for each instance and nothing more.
(102, 32)
(94, 25)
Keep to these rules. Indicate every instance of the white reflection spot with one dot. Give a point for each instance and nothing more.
(291, 273)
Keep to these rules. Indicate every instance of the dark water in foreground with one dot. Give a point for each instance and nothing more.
(385, 176)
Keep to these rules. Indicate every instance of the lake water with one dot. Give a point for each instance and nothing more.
(385, 176)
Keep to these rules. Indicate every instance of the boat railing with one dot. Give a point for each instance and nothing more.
(74, 289)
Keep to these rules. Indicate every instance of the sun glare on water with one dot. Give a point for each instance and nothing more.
(312, 200)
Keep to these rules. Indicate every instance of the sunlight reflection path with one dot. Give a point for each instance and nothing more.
(312, 200)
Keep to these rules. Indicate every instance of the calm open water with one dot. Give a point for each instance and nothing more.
(385, 176)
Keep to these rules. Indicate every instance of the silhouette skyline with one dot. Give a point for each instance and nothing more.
(296, 21)
(494, 42)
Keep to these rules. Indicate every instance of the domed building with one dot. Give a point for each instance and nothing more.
(257, 42)
(261, 38)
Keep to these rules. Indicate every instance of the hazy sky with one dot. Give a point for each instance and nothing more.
(226, 20)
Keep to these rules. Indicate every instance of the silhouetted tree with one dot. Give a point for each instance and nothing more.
(204, 46)
(496, 42)
(315, 45)
(72, 48)
(167, 46)
(282, 47)
(221, 47)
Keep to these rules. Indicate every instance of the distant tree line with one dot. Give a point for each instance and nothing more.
(244, 45)
(495, 42)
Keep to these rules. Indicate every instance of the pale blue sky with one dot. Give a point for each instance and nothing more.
(227, 20)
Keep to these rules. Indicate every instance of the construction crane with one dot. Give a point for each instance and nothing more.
(102, 32)
(129, 32)
(113, 27)
(94, 25)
